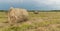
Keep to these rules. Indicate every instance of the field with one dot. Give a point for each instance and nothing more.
(44, 21)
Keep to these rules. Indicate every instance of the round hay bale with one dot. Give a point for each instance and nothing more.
(36, 12)
(17, 15)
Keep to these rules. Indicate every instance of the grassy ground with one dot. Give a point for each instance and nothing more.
(44, 21)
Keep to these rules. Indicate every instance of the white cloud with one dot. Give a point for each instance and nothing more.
(16, 1)
(11, 1)
(54, 4)
(48, 2)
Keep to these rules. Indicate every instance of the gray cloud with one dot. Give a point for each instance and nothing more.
(33, 4)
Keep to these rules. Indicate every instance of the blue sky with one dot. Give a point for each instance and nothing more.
(30, 4)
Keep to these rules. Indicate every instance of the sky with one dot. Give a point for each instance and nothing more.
(30, 4)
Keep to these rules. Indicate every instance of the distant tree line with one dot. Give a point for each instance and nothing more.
(35, 10)
(3, 10)
(44, 10)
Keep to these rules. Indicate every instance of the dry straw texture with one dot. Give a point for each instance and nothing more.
(17, 15)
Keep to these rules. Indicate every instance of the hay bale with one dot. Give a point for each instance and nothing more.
(36, 12)
(17, 15)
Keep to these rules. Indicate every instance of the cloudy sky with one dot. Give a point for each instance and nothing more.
(31, 4)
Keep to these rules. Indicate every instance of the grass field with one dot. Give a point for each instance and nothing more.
(44, 21)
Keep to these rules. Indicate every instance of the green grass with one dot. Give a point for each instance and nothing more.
(42, 21)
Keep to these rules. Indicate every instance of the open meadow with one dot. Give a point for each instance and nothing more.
(44, 21)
